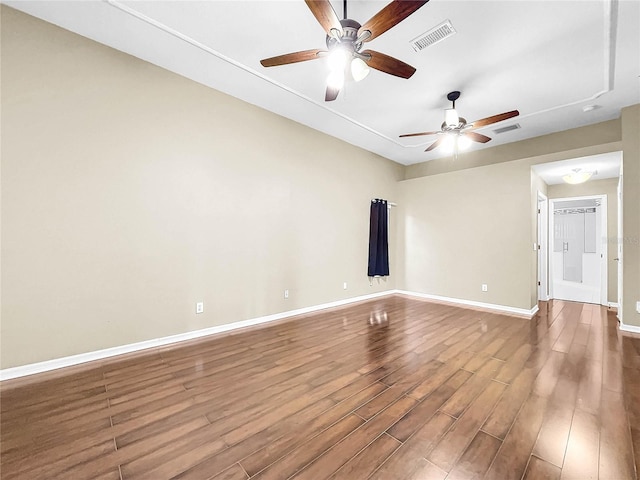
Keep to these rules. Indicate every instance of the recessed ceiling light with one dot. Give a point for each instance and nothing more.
(589, 108)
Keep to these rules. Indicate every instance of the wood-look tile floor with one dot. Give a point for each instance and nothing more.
(395, 388)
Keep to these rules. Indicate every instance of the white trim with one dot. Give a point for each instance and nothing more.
(620, 243)
(542, 254)
(613, 305)
(629, 328)
(489, 306)
(40, 367)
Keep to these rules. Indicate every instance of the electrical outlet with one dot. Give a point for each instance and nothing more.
(344, 285)
(638, 307)
(484, 287)
(286, 294)
(199, 307)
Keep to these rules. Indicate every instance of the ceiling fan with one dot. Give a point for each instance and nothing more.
(456, 132)
(345, 39)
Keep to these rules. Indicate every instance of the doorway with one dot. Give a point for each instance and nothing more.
(578, 257)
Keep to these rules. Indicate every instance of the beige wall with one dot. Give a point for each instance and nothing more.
(461, 229)
(130, 193)
(608, 187)
(631, 213)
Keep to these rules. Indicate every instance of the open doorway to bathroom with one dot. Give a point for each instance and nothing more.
(578, 257)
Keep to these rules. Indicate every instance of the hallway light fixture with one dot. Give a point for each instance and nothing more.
(577, 175)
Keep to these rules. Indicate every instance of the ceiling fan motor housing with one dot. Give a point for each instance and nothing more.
(349, 36)
(462, 122)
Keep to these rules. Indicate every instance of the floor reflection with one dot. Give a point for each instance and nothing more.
(378, 318)
(378, 335)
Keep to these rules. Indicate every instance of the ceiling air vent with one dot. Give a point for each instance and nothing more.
(433, 36)
(508, 128)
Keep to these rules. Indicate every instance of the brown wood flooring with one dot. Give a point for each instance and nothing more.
(395, 388)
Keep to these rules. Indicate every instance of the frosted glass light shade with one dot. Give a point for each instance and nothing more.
(359, 69)
(338, 59)
(336, 79)
(463, 142)
(577, 176)
(448, 143)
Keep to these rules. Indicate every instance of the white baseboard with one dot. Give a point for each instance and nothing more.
(72, 360)
(56, 363)
(629, 328)
(612, 305)
(472, 303)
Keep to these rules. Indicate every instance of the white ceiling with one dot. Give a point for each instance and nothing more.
(546, 58)
(606, 165)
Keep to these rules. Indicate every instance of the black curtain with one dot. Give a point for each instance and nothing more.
(378, 239)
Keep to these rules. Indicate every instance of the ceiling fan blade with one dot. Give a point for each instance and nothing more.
(388, 17)
(418, 134)
(435, 144)
(477, 137)
(325, 14)
(388, 64)
(331, 94)
(494, 119)
(291, 58)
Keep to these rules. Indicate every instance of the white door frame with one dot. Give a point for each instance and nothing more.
(620, 246)
(543, 242)
(604, 300)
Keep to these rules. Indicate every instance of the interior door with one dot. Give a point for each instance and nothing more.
(572, 226)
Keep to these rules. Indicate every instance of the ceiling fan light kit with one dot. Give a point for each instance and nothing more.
(344, 63)
(359, 69)
(455, 142)
(345, 39)
(464, 142)
(338, 59)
